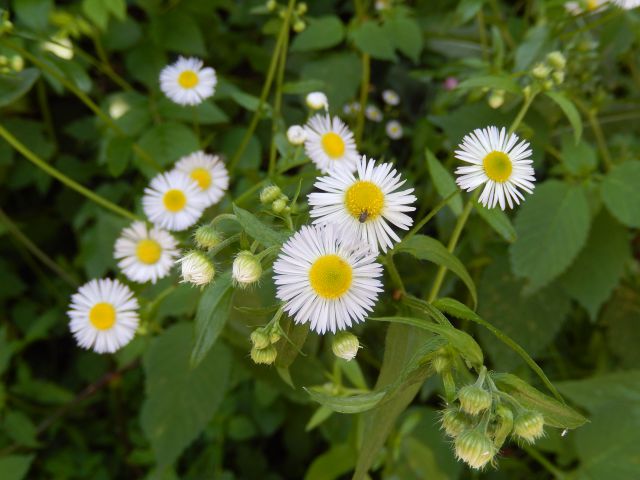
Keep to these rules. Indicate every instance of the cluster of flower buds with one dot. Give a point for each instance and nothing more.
(297, 18)
(263, 340)
(483, 418)
(278, 200)
(550, 72)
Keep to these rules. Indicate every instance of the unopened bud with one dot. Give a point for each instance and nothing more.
(496, 99)
(17, 63)
(264, 356)
(317, 100)
(302, 8)
(474, 399)
(271, 5)
(541, 71)
(197, 269)
(474, 448)
(274, 336)
(547, 84)
(270, 194)
(454, 422)
(557, 60)
(246, 269)
(296, 135)
(345, 345)
(260, 339)
(207, 237)
(557, 77)
(279, 205)
(299, 26)
(442, 361)
(529, 426)
(504, 425)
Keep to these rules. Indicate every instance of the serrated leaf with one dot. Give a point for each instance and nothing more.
(15, 467)
(321, 33)
(346, 403)
(371, 38)
(14, 86)
(444, 182)
(406, 36)
(211, 316)
(569, 110)
(427, 248)
(621, 194)
(552, 227)
(595, 273)
(180, 400)
(499, 221)
(578, 158)
(339, 88)
(499, 82)
(257, 229)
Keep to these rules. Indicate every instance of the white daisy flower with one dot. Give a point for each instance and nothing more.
(317, 101)
(366, 204)
(394, 130)
(326, 278)
(173, 201)
(580, 6)
(373, 113)
(391, 97)
(104, 315)
(209, 172)
(186, 82)
(296, 135)
(145, 254)
(330, 143)
(351, 108)
(627, 4)
(499, 163)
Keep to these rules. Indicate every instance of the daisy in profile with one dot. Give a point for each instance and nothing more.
(173, 201)
(580, 6)
(186, 82)
(364, 204)
(391, 97)
(145, 254)
(394, 129)
(499, 162)
(209, 172)
(330, 143)
(104, 315)
(327, 279)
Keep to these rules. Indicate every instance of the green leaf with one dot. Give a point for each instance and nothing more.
(167, 142)
(302, 87)
(621, 195)
(211, 316)
(531, 47)
(556, 414)
(599, 392)
(339, 88)
(250, 159)
(332, 464)
(117, 152)
(569, 110)
(578, 158)
(33, 13)
(595, 273)
(179, 32)
(427, 248)
(98, 11)
(499, 221)
(371, 38)
(180, 400)
(14, 86)
(258, 230)
(406, 35)
(321, 33)
(15, 467)
(552, 228)
(347, 403)
(498, 82)
(621, 316)
(20, 429)
(206, 113)
(444, 182)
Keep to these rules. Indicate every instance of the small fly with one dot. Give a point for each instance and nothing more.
(363, 216)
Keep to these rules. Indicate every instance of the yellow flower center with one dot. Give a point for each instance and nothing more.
(188, 79)
(592, 5)
(330, 276)
(364, 200)
(497, 166)
(333, 145)
(174, 200)
(148, 251)
(102, 315)
(202, 176)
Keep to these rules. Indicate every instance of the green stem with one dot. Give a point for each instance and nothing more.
(453, 242)
(364, 92)
(224, 244)
(418, 226)
(592, 118)
(29, 155)
(396, 279)
(542, 460)
(284, 30)
(222, 217)
(105, 65)
(277, 104)
(528, 100)
(483, 35)
(46, 111)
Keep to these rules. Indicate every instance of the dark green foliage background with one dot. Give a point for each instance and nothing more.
(560, 274)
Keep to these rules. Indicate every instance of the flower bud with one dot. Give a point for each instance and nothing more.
(496, 99)
(279, 206)
(442, 361)
(274, 335)
(454, 422)
(557, 60)
(270, 194)
(296, 135)
(271, 5)
(246, 269)
(17, 63)
(504, 425)
(264, 356)
(197, 269)
(474, 448)
(541, 71)
(529, 426)
(299, 26)
(474, 399)
(547, 84)
(345, 345)
(207, 237)
(302, 8)
(557, 77)
(317, 100)
(260, 339)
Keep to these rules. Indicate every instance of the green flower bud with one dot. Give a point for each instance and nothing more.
(271, 5)
(547, 84)
(454, 422)
(274, 335)
(260, 339)
(302, 8)
(279, 206)
(557, 77)
(17, 63)
(529, 426)
(504, 425)
(474, 448)
(197, 269)
(264, 356)
(246, 269)
(345, 345)
(269, 194)
(541, 71)
(207, 237)
(442, 361)
(474, 399)
(557, 60)
(299, 26)
(496, 99)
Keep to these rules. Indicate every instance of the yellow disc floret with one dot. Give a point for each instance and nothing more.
(148, 251)
(202, 177)
(497, 166)
(102, 315)
(174, 200)
(330, 276)
(333, 145)
(364, 200)
(188, 79)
